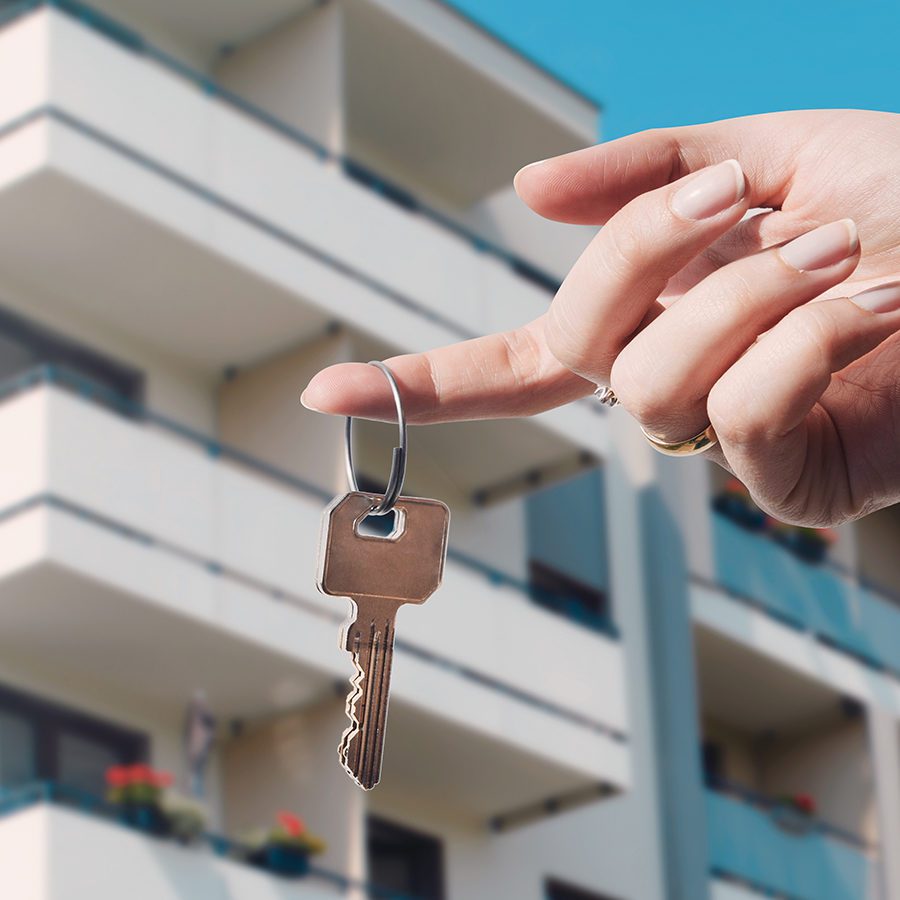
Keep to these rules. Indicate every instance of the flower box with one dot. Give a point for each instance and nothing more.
(281, 859)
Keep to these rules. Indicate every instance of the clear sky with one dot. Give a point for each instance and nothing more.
(658, 63)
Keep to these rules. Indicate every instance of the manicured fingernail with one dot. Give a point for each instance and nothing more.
(712, 191)
(307, 404)
(881, 299)
(518, 175)
(822, 247)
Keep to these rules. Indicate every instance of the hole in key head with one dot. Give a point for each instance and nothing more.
(387, 527)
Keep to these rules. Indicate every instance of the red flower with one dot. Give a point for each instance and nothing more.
(292, 824)
(163, 779)
(117, 776)
(733, 486)
(140, 774)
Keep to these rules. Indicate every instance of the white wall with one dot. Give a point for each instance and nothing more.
(834, 766)
(259, 412)
(295, 73)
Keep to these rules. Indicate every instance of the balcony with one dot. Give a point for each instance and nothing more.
(747, 846)
(816, 599)
(58, 846)
(187, 248)
(158, 538)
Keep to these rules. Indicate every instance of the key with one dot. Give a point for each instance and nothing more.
(378, 575)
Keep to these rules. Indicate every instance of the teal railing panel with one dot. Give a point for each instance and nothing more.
(759, 569)
(746, 844)
(813, 597)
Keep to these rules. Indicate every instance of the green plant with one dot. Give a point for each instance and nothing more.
(290, 833)
(186, 817)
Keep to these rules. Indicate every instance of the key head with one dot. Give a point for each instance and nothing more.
(407, 566)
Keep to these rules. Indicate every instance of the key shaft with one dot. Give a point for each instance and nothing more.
(370, 640)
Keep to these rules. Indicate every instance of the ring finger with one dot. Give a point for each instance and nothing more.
(665, 373)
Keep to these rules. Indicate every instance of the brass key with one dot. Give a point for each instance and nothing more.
(378, 574)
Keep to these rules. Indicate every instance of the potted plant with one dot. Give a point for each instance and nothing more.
(186, 817)
(809, 544)
(795, 813)
(734, 502)
(136, 791)
(284, 850)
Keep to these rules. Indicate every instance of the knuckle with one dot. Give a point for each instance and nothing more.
(629, 380)
(815, 332)
(734, 422)
(617, 250)
(521, 355)
(575, 346)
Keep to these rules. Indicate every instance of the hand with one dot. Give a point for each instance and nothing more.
(695, 315)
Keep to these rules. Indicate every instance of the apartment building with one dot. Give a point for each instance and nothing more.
(202, 204)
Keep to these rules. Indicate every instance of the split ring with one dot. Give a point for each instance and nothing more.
(398, 457)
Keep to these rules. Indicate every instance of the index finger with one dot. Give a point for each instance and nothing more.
(500, 375)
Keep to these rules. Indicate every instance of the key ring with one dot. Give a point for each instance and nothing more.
(398, 457)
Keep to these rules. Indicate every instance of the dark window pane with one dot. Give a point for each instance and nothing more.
(17, 750)
(405, 861)
(557, 890)
(25, 344)
(82, 762)
(42, 740)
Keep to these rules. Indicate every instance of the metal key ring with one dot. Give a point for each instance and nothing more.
(398, 457)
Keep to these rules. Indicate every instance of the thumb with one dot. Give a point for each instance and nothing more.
(589, 186)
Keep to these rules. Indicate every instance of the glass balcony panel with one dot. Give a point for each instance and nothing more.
(747, 845)
(812, 597)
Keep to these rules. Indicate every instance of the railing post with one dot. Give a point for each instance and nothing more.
(885, 752)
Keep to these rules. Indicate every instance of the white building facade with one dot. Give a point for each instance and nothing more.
(201, 205)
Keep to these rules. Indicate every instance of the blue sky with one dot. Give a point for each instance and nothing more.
(656, 63)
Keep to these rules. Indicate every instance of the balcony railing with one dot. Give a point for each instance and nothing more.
(817, 598)
(16, 799)
(748, 846)
(361, 174)
(92, 392)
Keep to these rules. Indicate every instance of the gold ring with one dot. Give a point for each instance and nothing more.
(700, 443)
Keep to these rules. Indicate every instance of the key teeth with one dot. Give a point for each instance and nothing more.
(353, 697)
(352, 730)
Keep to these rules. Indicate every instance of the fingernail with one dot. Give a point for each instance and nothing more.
(881, 299)
(537, 162)
(822, 247)
(307, 404)
(711, 192)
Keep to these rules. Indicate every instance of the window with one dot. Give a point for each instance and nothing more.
(567, 566)
(712, 758)
(43, 741)
(405, 861)
(25, 345)
(556, 890)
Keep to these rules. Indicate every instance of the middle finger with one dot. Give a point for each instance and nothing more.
(665, 373)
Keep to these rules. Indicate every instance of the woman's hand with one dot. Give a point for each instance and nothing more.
(694, 314)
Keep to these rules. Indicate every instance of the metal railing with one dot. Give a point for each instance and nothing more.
(50, 375)
(26, 796)
(357, 171)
